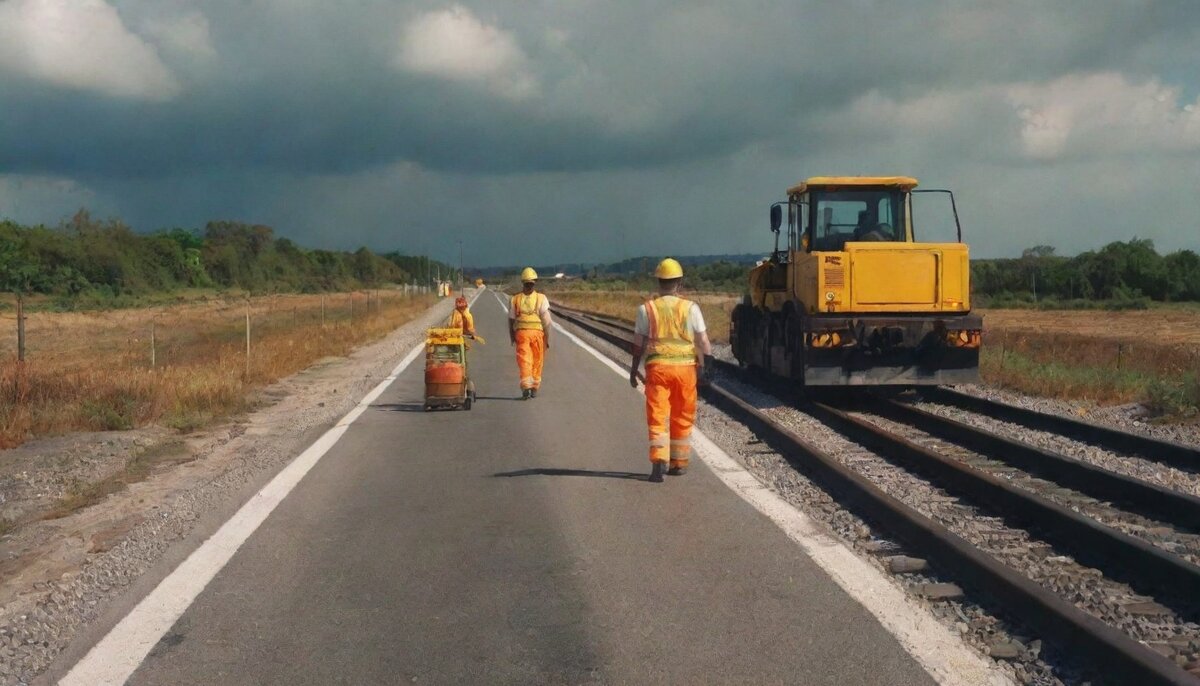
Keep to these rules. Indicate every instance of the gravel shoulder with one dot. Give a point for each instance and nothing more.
(64, 581)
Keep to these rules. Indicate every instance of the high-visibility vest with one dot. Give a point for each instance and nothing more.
(462, 320)
(526, 307)
(670, 340)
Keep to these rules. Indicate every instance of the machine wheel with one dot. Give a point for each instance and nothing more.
(793, 340)
(469, 401)
(762, 332)
(740, 333)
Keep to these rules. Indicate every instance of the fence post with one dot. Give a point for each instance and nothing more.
(1120, 353)
(352, 309)
(247, 339)
(20, 327)
(153, 350)
(322, 310)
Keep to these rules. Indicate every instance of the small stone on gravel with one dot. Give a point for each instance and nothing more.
(1005, 650)
(901, 564)
(939, 591)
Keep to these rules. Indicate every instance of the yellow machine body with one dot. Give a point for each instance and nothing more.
(869, 277)
(854, 298)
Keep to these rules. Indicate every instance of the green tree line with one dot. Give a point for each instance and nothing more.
(89, 257)
(1121, 274)
(1131, 271)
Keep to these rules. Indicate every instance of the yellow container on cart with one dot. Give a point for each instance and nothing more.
(447, 384)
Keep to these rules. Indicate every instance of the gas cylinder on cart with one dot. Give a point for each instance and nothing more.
(444, 379)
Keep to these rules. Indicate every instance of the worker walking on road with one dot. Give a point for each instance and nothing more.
(529, 330)
(670, 332)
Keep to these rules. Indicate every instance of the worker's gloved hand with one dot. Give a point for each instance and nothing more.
(704, 373)
(633, 378)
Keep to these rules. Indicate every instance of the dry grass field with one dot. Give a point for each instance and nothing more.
(182, 365)
(1107, 357)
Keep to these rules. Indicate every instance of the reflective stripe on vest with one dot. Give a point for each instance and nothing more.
(526, 307)
(670, 341)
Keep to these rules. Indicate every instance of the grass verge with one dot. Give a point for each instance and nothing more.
(184, 366)
(1101, 369)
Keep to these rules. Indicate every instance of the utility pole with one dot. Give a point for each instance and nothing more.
(460, 266)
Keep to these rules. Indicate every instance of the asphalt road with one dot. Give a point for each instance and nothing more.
(519, 543)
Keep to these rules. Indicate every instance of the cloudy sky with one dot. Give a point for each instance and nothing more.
(588, 130)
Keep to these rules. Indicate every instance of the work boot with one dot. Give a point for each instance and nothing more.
(656, 473)
(533, 393)
(677, 471)
(526, 394)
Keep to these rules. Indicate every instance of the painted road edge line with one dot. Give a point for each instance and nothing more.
(118, 655)
(939, 651)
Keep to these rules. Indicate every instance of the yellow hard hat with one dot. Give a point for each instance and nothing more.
(527, 274)
(669, 269)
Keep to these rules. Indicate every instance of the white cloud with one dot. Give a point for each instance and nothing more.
(80, 44)
(186, 35)
(1072, 117)
(454, 44)
(1103, 114)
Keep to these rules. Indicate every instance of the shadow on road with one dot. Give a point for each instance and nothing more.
(400, 407)
(550, 471)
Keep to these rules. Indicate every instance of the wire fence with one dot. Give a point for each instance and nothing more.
(180, 334)
(181, 363)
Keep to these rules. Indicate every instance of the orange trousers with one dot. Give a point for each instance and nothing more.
(670, 411)
(531, 355)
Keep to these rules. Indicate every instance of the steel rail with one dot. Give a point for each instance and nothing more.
(1107, 649)
(1167, 452)
(1143, 566)
(1134, 494)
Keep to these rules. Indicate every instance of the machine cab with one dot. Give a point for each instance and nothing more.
(852, 248)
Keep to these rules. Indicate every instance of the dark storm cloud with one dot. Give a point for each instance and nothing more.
(389, 119)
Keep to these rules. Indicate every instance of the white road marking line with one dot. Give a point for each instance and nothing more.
(938, 650)
(115, 658)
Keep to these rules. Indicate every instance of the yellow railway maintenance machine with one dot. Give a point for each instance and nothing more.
(856, 299)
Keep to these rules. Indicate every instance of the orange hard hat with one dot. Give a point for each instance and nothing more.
(460, 302)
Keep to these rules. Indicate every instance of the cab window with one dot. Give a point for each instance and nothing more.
(844, 216)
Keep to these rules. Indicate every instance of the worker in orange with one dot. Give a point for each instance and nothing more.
(670, 332)
(461, 318)
(529, 330)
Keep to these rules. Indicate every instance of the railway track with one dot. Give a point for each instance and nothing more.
(1129, 539)
(1166, 452)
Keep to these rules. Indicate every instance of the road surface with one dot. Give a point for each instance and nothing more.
(519, 543)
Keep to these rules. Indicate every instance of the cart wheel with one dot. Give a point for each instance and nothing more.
(469, 401)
